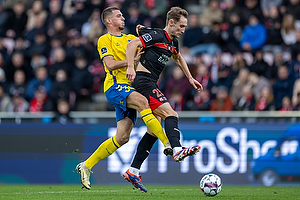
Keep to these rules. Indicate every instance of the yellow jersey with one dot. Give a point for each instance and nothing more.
(111, 45)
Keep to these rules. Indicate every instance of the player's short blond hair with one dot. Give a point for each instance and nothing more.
(175, 13)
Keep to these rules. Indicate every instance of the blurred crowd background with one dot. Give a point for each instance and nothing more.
(246, 54)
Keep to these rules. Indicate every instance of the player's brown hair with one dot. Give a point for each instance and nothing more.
(175, 13)
(107, 12)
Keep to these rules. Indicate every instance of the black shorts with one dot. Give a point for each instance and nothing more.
(147, 86)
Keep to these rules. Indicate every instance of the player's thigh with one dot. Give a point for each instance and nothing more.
(137, 101)
(165, 110)
(124, 127)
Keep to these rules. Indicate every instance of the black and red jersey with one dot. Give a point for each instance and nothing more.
(158, 48)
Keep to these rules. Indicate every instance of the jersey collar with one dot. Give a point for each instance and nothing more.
(167, 35)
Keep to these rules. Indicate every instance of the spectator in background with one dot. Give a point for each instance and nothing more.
(254, 35)
(212, 41)
(38, 60)
(59, 63)
(200, 101)
(2, 72)
(289, 28)
(259, 66)
(18, 85)
(97, 4)
(5, 15)
(266, 6)
(20, 45)
(41, 79)
(63, 110)
(176, 99)
(202, 75)
(17, 104)
(55, 11)
(222, 101)
(116, 3)
(238, 64)
(92, 28)
(257, 83)
(220, 74)
(133, 18)
(154, 12)
(59, 30)
(39, 28)
(294, 68)
(193, 33)
(273, 25)
(238, 85)
(230, 8)
(61, 87)
(232, 33)
(4, 99)
(246, 102)
(295, 48)
(75, 48)
(3, 51)
(212, 13)
(36, 10)
(80, 16)
(17, 62)
(286, 104)
(283, 86)
(177, 83)
(297, 102)
(296, 90)
(251, 7)
(293, 7)
(278, 61)
(40, 101)
(55, 43)
(265, 101)
(39, 45)
(81, 78)
(17, 21)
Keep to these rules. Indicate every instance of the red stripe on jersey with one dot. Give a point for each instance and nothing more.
(154, 103)
(168, 36)
(166, 46)
(144, 45)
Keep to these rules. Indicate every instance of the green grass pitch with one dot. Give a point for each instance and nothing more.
(156, 192)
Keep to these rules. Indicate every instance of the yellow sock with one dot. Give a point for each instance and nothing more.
(153, 124)
(104, 150)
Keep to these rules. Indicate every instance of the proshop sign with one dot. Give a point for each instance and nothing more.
(216, 152)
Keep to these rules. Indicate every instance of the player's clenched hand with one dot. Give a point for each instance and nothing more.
(138, 55)
(196, 84)
(130, 73)
(138, 27)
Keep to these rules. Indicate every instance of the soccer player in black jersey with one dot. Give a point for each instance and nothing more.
(159, 46)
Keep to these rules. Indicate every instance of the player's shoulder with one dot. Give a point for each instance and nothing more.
(104, 37)
(145, 30)
(130, 35)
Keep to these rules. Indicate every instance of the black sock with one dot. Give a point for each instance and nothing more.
(143, 150)
(172, 131)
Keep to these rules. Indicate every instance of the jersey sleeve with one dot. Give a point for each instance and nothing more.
(149, 37)
(104, 47)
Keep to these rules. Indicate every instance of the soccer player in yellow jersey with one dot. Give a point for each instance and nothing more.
(118, 91)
